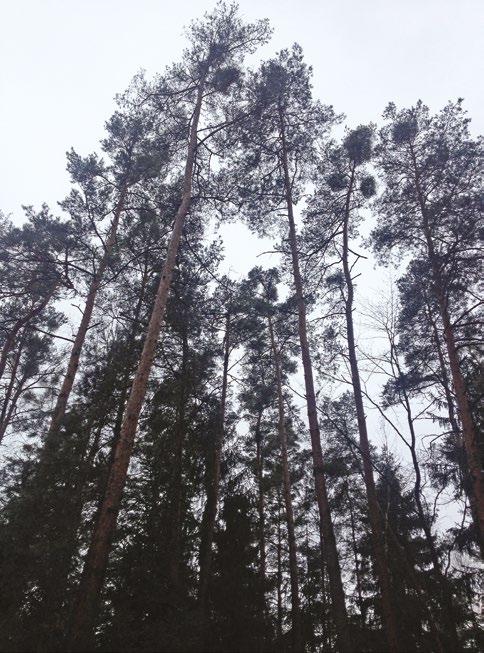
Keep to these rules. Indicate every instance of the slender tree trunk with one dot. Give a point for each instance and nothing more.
(361, 605)
(336, 586)
(381, 566)
(261, 508)
(261, 525)
(469, 434)
(325, 621)
(295, 601)
(213, 487)
(97, 557)
(55, 596)
(75, 355)
(175, 515)
(279, 576)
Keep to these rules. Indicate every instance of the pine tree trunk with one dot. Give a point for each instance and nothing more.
(361, 604)
(261, 509)
(469, 434)
(97, 557)
(326, 626)
(213, 487)
(279, 577)
(291, 536)
(261, 527)
(336, 586)
(381, 566)
(174, 520)
(75, 355)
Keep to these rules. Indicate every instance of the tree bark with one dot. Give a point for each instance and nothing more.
(361, 605)
(326, 626)
(334, 571)
(97, 557)
(175, 515)
(279, 576)
(469, 434)
(87, 460)
(286, 478)
(381, 566)
(261, 526)
(260, 508)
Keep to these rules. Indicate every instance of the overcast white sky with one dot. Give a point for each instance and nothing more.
(62, 62)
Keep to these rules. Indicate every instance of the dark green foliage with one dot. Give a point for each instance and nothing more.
(239, 622)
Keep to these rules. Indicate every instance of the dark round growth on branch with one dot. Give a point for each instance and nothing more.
(359, 144)
(224, 78)
(336, 181)
(405, 131)
(368, 186)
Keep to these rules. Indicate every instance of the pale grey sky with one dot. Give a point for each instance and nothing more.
(62, 61)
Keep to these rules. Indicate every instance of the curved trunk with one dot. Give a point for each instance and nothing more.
(97, 557)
